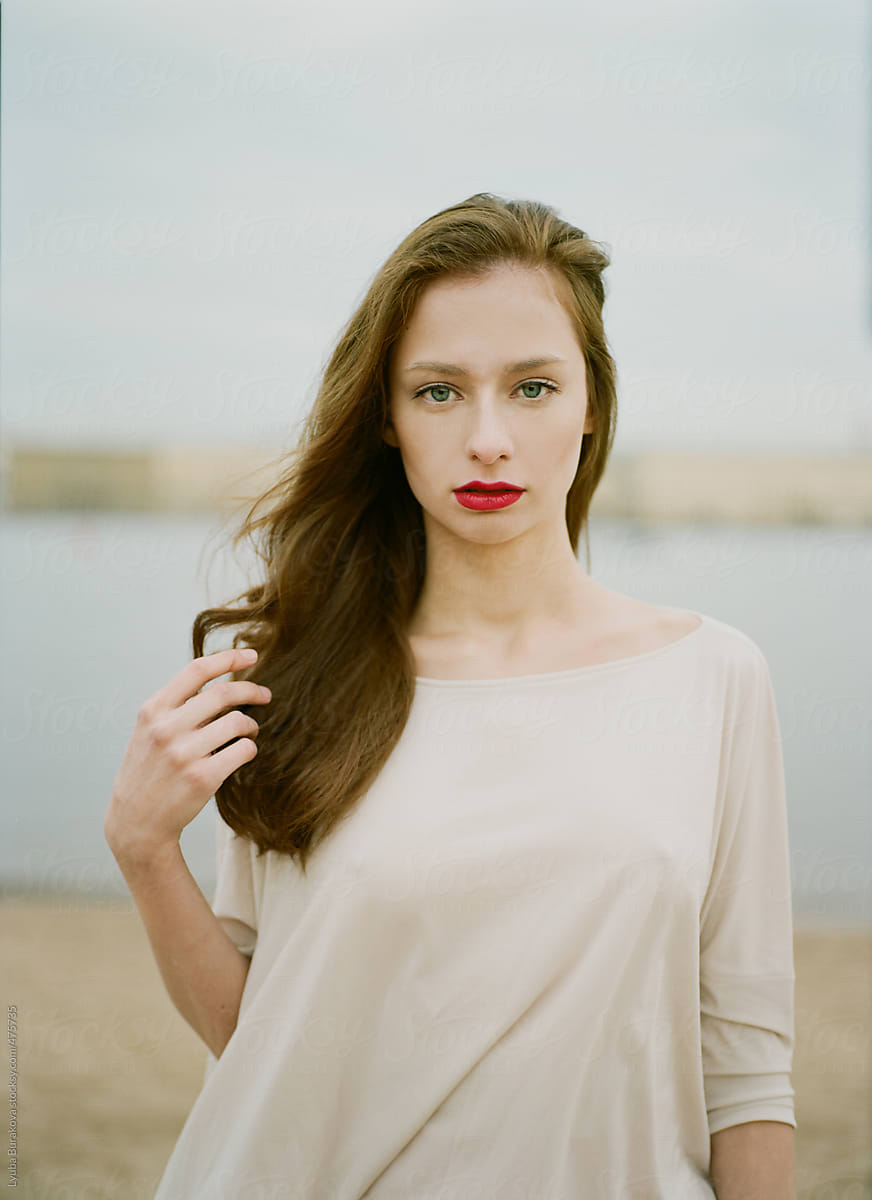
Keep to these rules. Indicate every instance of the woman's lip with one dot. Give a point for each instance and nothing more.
(487, 501)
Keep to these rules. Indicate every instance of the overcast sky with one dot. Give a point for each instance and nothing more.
(195, 197)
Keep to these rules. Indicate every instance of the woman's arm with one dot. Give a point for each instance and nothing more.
(201, 967)
(172, 765)
(754, 1161)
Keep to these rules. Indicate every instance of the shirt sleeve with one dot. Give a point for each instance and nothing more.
(235, 903)
(746, 925)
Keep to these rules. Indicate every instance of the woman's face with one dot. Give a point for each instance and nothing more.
(482, 409)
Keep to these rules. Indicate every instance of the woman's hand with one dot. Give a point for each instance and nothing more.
(172, 764)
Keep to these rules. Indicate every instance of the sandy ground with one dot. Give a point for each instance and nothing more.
(108, 1069)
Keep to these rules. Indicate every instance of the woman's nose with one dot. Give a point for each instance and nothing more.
(489, 435)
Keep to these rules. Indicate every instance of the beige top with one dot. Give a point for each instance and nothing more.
(547, 955)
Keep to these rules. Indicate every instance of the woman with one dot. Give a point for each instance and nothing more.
(503, 900)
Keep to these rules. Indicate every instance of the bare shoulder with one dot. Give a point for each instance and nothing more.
(638, 626)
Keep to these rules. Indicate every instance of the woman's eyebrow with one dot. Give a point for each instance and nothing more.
(526, 364)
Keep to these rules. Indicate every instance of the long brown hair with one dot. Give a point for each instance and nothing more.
(341, 536)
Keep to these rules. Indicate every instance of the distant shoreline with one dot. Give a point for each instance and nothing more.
(69, 900)
(683, 486)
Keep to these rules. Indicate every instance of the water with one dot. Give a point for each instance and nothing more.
(96, 614)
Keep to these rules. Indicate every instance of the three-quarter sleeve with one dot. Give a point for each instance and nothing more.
(235, 903)
(746, 923)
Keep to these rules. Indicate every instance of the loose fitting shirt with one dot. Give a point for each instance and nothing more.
(547, 955)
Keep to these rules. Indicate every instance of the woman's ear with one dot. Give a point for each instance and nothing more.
(389, 433)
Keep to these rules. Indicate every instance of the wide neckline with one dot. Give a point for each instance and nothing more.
(570, 672)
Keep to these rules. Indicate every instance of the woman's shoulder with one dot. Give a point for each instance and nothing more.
(733, 641)
(720, 645)
(731, 661)
(636, 626)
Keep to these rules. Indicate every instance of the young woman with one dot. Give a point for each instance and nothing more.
(503, 904)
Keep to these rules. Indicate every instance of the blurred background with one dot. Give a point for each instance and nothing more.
(194, 201)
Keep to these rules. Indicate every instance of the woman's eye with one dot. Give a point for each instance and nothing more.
(436, 387)
(538, 383)
(443, 388)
